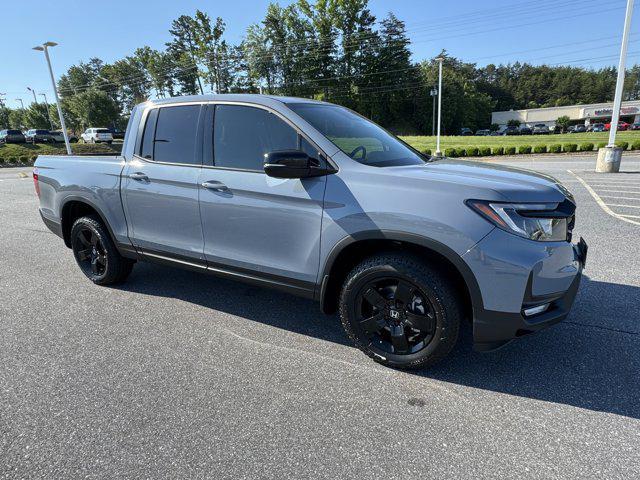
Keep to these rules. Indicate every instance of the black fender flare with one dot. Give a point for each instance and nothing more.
(438, 247)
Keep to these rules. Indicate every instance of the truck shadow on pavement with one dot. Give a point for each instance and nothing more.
(590, 361)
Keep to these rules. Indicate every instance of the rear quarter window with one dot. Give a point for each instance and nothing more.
(175, 135)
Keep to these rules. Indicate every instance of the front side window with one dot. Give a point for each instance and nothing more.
(242, 135)
(361, 139)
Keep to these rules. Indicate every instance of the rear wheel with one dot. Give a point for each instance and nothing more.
(400, 311)
(96, 254)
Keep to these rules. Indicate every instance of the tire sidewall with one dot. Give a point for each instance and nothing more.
(96, 228)
(422, 277)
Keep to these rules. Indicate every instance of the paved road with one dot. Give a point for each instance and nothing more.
(176, 374)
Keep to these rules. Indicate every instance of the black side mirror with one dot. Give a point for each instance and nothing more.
(292, 164)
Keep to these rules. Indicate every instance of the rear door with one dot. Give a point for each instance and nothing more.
(254, 224)
(160, 185)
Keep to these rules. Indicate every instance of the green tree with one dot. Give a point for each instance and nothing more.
(16, 118)
(4, 117)
(37, 116)
(184, 51)
(514, 122)
(563, 122)
(93, 108)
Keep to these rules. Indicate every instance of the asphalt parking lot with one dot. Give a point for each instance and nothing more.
(176, 374)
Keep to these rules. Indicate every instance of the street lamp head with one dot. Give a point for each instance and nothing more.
(39, 48)
(29, 88)
(50, 44)
(439, 59)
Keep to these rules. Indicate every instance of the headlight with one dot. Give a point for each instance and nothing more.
(543, 222)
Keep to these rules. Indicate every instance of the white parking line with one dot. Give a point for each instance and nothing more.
(621, 198)
(631, 216)
(618, 191)
(599, 201)
(626, 206)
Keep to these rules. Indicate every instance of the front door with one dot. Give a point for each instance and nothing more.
(160, 186)
(254, 224)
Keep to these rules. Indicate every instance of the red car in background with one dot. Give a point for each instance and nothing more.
(621, 126)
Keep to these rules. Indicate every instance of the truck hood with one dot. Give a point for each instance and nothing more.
(512, 184)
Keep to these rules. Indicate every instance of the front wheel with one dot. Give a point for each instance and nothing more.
(400, 311)
(96, 253)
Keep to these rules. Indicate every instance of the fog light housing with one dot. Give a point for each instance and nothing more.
(531, 311)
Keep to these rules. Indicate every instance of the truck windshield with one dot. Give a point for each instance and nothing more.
(361, 139)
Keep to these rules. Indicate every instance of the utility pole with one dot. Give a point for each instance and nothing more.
(21, 103)
(434, 94)
(35, 100)
(45, 48)
(439, 60)
(47, 105)
(609, 157)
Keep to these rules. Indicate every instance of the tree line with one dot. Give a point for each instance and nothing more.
(332, 50)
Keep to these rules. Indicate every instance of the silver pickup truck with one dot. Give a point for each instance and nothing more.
(312, 198)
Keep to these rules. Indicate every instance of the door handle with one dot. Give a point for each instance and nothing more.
(139, 176)
(215, 186)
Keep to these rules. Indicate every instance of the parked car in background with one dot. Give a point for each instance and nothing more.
(495, 133)
(97, 135)
(511, 130)
(465, 132)
(58, 137)
(622, 126)
(403, 246)
(541, 129)
(38, 136)
(117, 134)
(525, 130)
(596, 127)
(11, 136)
(635, 126)
(483, 133)
(579, 129)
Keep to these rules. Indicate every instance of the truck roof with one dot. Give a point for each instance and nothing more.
(236, 97)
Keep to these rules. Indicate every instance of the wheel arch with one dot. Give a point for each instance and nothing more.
(76, 207)
(352, 249)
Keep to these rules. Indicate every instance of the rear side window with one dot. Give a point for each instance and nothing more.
(175, 137)
(242, 135)
(13, 132)
(103, 130)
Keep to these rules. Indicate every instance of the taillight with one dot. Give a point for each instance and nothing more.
(36, 184)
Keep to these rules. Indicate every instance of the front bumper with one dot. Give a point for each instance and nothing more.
(516, 276)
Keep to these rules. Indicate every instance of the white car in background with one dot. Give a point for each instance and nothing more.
(97, 135)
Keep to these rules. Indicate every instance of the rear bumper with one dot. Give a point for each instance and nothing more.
(516, 275)
(52, 225)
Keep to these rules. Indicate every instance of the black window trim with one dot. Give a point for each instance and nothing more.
(199, 131)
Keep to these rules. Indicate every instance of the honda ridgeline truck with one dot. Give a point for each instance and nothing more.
(314, 199)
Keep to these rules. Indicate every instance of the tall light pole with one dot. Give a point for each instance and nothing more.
(439, 60)
(35, 100)
(434, 94)
(47, 105)
(609, 157)
(21, 103)
(45, 48)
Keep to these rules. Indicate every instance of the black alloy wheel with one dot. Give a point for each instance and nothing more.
(395, 315)
(90, 252)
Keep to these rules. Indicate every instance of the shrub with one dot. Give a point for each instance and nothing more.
(540, 149)
(24, 159)
(427, 151)
(524, 149)
(622, 145)
(570, 147)
(450, 152)
(635, 145)
(510, 151)
(12, 160)
(602, 145)
(498, 150)
(1, 159)
(555, 148)
(472, 152)
(485, 151)
(586, 147)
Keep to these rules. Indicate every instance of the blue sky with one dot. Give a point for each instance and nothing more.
(585, 32)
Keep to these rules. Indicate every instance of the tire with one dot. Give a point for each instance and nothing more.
(422, 298)
(96, 253)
